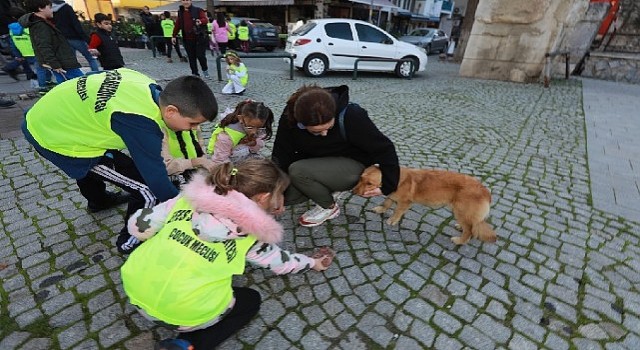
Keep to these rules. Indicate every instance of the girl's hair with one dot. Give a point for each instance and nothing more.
(250, 177)
(167, 14)
(220, 19)
(243, 23)
(310, 105)
(252, 110)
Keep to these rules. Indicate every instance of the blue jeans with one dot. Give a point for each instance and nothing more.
(70, 74)
(43, 74)
(82, 47)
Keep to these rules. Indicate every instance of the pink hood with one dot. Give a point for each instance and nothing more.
(236, 207)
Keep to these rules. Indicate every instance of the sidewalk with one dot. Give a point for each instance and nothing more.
(612, 116)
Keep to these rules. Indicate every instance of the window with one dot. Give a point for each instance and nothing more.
(338, 31)
(372, 35)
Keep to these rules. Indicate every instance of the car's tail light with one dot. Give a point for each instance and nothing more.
(301, 42)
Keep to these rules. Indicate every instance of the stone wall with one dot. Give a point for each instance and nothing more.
(510, 37)
(613, 66)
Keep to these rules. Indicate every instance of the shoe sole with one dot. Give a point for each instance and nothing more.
(314, 224)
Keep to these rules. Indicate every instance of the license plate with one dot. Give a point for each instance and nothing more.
(270, 34)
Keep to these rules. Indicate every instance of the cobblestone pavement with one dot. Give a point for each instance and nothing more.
(563, 275)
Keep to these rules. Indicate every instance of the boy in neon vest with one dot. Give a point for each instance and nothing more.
(194, 244)
(21, 48)
(99, 115)
(168, 25)
(243, 35)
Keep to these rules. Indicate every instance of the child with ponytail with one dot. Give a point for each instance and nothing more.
(194, 244)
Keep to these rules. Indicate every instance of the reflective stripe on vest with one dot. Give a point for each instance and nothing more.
(167, 27)
(179, 279)
(235, 136)
(74, 119)
(23, 43)
(243, 33)
(174, 144)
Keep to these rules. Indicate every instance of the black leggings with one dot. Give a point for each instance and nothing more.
(247, 305)
(196, 50)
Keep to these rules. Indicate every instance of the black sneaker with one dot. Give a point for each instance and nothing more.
(127, 243)
(173, 344)
(112, 199)
(6, 102)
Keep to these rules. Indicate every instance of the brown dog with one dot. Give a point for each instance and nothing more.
(468, 198)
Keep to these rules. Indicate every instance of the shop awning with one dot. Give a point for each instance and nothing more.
(421, 18)
(384, 5)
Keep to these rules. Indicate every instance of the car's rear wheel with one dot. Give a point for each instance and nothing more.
(315, 65)
(405, 69)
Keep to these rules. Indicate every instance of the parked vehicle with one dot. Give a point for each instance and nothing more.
(432, 40)
(335, 44)
(261, 33)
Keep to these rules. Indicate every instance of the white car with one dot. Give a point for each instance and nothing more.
(335, 44)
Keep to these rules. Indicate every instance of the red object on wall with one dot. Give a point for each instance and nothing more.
(609, 18)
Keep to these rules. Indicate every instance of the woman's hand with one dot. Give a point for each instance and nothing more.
(372, 193)
(249, 141)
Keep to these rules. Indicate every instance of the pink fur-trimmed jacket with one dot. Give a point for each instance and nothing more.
(218, 218)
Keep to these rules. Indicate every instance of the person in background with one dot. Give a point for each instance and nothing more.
(103, 45)
(237, 75)
(181, 276)
(147, 21)
(243, 35)
(221, 32)
(67, 22)
(168, 25)
(51, 48)
(232, 36)
(192, 21)
(21, 49)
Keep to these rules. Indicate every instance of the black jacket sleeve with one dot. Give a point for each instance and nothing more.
(363, 134)
(283, 149)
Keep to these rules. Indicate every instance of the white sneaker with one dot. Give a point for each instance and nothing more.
(318, 215)
(206, 74)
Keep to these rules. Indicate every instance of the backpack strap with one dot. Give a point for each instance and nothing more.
(343, 131)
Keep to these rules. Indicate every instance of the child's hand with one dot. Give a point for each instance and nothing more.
(323, 258)
(249, 141)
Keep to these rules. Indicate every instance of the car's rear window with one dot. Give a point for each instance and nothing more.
(304, 29)
(263, 24)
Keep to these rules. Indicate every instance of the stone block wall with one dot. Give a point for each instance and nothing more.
(613, 66)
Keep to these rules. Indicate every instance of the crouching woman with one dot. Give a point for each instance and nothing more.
(180, 277)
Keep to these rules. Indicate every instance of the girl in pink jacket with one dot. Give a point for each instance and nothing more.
(221, 32)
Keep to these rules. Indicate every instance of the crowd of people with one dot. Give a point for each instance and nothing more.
(203, 210)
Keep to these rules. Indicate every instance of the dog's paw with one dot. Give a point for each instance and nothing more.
(392, 221)
(458, 227)
(458, 240)
(379, 209)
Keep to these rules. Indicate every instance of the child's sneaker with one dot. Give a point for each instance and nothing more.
(206, 74)
(318, 215)
(127, 243)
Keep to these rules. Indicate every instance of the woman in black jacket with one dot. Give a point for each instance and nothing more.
(324, 143)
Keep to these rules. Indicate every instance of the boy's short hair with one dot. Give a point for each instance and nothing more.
(99, 17)
(36, 5)
(167, 14)
(192, 96)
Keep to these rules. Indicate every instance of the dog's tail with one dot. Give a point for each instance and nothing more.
(483, 232)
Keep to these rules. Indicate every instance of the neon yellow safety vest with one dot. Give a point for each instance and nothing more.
(243, 33)
(74, 119)
(232, 31)
(210, 28)
(244, 80)
(167, 27)
(23, 43)
(235, 136)
(180, 279)
(190, 147)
